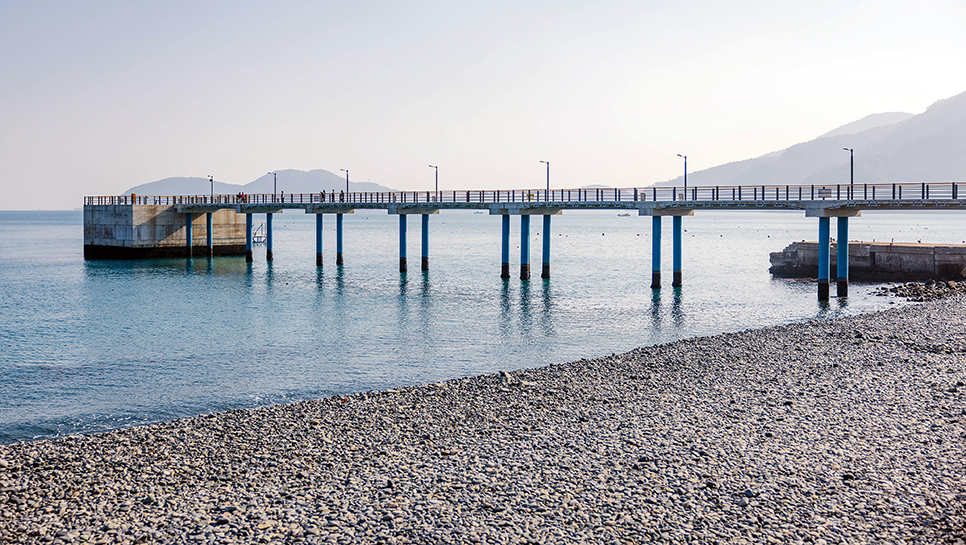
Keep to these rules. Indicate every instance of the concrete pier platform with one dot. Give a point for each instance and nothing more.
(876, 261)
(140, 231)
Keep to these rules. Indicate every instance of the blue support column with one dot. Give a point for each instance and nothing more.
(505, 271)
(676, 228)
(318, 240)
(210, 237)
(842, 259)
(546, 247)
(524, 247)
(425, 233)
(338, 239)
(823, 258)
(248, 238)
(402, 243)
(268, 237)
(655, 252)
(188, 220)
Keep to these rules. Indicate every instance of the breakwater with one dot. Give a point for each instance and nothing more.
(876, 261)
(847, 430)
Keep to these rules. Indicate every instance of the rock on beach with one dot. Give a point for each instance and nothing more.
(842, 431)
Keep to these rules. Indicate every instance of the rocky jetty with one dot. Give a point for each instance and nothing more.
(844, 431)
(923, 291)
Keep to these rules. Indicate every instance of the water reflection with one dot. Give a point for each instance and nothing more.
(505, 308)
(269, 276)
(656, 308)
(403, 302)
(525, 317)
(677, 312)
(548, 329)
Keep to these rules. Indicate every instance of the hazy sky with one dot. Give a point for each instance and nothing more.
(96, 97)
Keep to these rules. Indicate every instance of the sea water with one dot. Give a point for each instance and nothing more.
(87, 346)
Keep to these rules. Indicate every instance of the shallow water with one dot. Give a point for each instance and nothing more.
(94, 345)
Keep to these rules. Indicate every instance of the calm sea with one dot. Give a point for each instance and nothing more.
(87, 346)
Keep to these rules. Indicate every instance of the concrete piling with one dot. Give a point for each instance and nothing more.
(505, 272)
(546, 247)
(425, 245)
(318, 240)
(209, 235)
(188, 221)
(248, 238)
(676, 258)
(402, 243)
(655, 252)
(269, 256)
(824, 247)
(524, 247)
(842, 257)
(338, 239)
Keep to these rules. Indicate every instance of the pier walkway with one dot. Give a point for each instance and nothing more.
(820, 201)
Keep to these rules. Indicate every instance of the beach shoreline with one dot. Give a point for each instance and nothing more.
(847, 430)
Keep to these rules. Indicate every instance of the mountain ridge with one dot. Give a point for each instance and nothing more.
(289, 181)
(892, 147)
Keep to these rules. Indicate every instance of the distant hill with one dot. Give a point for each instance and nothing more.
(889, 148)
(869, 122)
(289, 181)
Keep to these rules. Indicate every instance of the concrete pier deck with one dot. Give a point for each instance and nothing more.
(876, 261)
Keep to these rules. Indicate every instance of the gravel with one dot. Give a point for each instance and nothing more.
(843, 431)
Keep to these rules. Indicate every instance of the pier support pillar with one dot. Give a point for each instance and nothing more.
(210, 236)
(188, 221)
(546, 247)
(655, 252)
(338, 239)
(842, 257)
(425, 236)
(269, 256)
(524, 247)
(318, 240)
(248, 238)
(402, 242)
(505, 271)
(676, 228)
(824, 247)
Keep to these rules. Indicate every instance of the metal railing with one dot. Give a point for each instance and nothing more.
(847, 192)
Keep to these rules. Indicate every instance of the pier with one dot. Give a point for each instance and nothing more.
(132, 226)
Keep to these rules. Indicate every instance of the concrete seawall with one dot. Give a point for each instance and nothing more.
(874, 261)
(133, 231)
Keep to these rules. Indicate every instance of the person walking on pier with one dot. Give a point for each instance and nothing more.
(341, 196)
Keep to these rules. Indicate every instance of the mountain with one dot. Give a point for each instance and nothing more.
(889, 148)
(869, 122)
(289, 181)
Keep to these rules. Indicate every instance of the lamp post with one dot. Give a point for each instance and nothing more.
(346, 180)
(685, 175)
(274, 184)
(546, 196)
(437, 180)
(212, 180)
(851, 165)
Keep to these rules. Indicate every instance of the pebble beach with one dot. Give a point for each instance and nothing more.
(844, 431)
